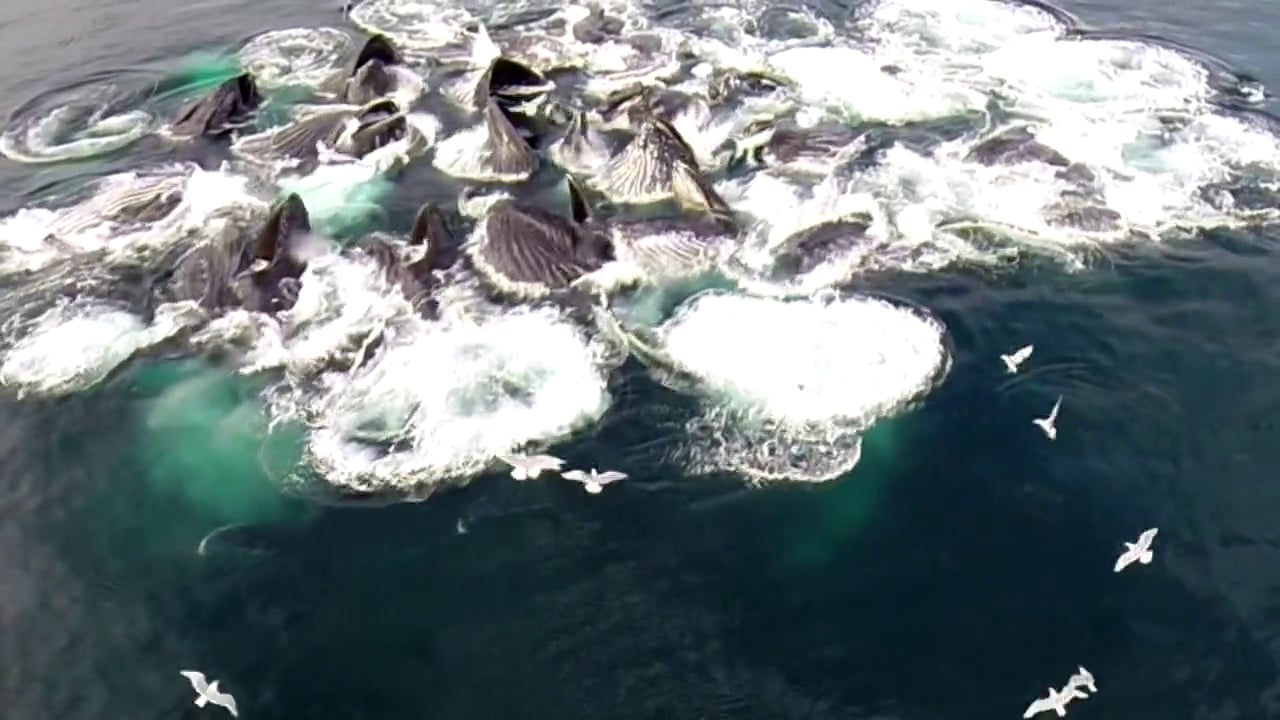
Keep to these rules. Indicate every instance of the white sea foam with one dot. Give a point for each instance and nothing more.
(25, 237)
(789, 385)
(74, 345)
(415, 27)
(306, 57)
(442, 399)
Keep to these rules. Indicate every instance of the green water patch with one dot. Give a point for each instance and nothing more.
(196, 73)
(840, 510)
(203, 439)
(341, 206)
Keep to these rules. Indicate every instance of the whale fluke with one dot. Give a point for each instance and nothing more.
(226, 107)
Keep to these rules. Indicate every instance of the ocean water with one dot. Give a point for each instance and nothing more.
(963, 565)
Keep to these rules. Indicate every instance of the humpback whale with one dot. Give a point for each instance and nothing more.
(655, 165)
(788, 145)
(431, 249)
(805, 250)
(380, 72)
(1015, 145)
(260, 272)
(226, 107)
(495, 151)
(528, 252)
(354, 133)
(582, 149)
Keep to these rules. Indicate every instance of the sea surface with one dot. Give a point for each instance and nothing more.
(961, 568)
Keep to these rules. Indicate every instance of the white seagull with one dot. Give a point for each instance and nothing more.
(207, 692)
(594, 481)
(1018, 357)
(528, 467)
(1082, 678)
(1056, 701)
(1139, 552)
(1047, 423)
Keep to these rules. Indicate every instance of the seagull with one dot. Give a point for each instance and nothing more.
(594, 481)
(1137, 551)
(1018, 357)
(1047, 423)
(1057, 702)
(207, 692)
(1082, 678)
(527, 467)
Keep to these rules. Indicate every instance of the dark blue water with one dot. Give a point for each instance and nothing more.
(963, 567)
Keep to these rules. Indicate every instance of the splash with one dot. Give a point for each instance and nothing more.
(789, 386)
(441, 400)
(100, 115)
(308, 57)
(75, 345)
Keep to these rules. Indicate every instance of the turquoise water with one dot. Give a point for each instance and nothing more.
(962, 567)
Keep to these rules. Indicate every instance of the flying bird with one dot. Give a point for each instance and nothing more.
(1018, 357)
(1082, 678)
(1139, 552)
(527, 467)
(1056, 701)
(594, 481)
(207, 692)
(1047, 423)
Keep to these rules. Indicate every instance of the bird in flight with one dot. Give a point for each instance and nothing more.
(594, 481)
(1139, 552)
(1017, 357)
(527, 467)
(208, 693)
(1047, 424)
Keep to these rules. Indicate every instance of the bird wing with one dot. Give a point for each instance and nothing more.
(575, 475)
(609, 476)
(1037, 706)
(225, 700)
(1057, 405)
(1147, 536)
(1124, 560)
(548, 461)
(1023, 353)
(198, 683)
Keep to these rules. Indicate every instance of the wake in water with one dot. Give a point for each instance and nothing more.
(728, 156)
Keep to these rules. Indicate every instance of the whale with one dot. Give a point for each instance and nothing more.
(228, 106)
(259, 271)
(655, 165)
(527, 252)
(379, 72)
(414, 268)
(495, 151)
(353, 132)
